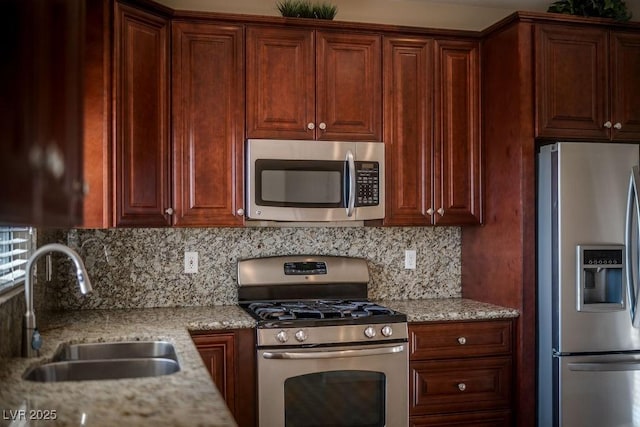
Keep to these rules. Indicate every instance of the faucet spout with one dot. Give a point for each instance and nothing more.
(31, 341)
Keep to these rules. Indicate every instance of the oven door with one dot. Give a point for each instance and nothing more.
(351, 386)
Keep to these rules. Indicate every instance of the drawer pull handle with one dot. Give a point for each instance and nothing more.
(462, 386)
(462, 340)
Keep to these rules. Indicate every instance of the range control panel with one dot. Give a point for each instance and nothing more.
(367, 183)
(305, 268)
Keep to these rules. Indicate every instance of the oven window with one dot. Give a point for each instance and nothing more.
(335, 399)
(297, 183)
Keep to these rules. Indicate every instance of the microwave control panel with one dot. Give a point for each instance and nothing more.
(367, 183)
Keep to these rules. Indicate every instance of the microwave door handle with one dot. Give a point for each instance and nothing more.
(352, 184)
(631, 244)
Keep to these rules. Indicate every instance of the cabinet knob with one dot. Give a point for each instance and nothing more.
(80, 187)
(441, 211)
(240, 212)
(618, 126)
(169, 211)
(54, 161)
(462, 386)
(311, 126)
(430, 211)
(607, 124)
(462, 340)
(322, 126)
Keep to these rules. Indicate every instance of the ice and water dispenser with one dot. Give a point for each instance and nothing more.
(601, 278)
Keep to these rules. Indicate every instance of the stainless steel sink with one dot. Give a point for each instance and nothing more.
(83, 370)
(107, 361)
(116, 350)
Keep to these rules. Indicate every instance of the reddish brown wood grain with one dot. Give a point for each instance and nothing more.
(408, 129)
(230, 357)
(142, 144)
(625, 85)
(457, 166)
(498, 259)
(208, 121)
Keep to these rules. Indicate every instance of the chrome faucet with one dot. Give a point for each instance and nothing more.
(31, 341)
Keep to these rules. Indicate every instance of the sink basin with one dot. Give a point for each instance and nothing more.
(107, 361)
(83, 370)
(116, 350)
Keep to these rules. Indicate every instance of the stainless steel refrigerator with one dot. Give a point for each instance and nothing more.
(588, 346)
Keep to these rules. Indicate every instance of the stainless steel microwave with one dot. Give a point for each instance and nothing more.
(308, 181)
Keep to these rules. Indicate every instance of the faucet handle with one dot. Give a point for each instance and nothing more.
(36, 340)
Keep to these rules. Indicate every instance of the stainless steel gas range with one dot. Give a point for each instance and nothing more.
(326, 356)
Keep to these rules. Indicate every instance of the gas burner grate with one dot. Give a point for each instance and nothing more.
(323, 309)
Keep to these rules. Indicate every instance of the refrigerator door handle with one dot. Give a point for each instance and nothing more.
(605, 366)
(631, 244)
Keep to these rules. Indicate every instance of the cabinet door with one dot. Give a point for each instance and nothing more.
(625, 86)
(280, 83)
(208, 122)
(40, 112)
(142, 182)
(97, 115)
(230, 358)
(571, 82)
(349, 93)
(457, 164)
(218, 354)
(460, 385)
(408, 135)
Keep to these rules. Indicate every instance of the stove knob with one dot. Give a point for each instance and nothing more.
(301, 335)
(282, 337)
(387, 331)
(369, 332)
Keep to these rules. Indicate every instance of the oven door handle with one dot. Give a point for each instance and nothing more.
(333, 354)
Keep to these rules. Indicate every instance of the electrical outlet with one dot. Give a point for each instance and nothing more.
(191, 262)
(410, 259)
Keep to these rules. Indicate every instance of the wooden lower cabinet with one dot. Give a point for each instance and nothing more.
(461, 373)
(229, 356)
(485, 419)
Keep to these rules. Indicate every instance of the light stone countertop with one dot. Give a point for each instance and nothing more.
(449, 309)
(186, 398)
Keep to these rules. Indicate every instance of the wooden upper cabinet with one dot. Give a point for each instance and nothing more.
(625, 85)
(349, 92)
(306, 84)
(142, 146)
(571, 82)
(97, 115)
(408, 130)
(457, 160)
(208, 121)
(41, 113)
(586, 83)
(280, 83)
(431, 132)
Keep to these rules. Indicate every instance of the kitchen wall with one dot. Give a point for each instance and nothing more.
(138, 268)
(474, 15)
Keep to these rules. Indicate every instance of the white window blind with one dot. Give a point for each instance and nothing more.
(15, 248)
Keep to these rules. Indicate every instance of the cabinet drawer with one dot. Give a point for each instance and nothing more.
(474, 419)
(459, 339)
(446, 386)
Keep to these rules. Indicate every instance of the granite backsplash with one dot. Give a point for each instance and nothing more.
(140, 268)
